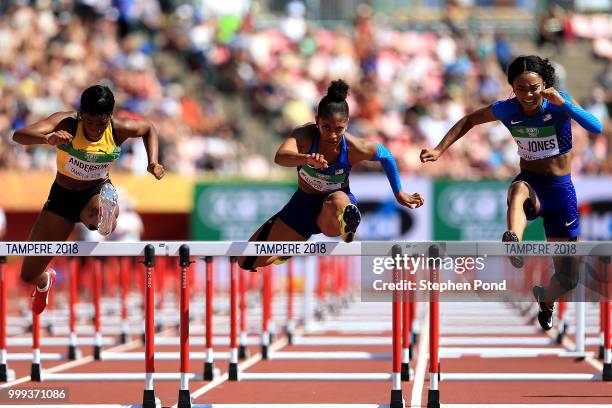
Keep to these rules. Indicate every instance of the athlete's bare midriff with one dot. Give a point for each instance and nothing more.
(552, 166)
(77, 185)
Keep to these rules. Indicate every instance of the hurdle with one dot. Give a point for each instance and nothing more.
(436, 376)
(250, 249)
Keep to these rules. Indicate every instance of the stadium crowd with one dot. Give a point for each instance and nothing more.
(175, 65)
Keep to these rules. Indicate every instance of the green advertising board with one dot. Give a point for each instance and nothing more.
(474, 211)
(232, 211)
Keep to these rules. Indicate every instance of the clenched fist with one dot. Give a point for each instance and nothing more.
(410, 200)
(157, 170)
(429, 155)
(59, 137)
(317, 161)
(553, 96)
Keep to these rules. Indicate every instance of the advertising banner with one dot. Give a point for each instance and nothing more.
(232, 211)
(474, 211)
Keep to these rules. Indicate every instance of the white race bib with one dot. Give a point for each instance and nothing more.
(536, 143)
(318, 183)
(85, 170)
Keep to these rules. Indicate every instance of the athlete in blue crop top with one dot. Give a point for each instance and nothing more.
(324, 153)
(538, 117)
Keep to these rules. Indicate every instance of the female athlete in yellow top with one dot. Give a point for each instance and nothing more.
(88, 143)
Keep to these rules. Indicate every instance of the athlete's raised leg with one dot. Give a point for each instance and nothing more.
(523, 205)
(101, 213)
(339, 216)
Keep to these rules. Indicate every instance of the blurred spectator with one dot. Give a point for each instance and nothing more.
(220, 84)
(551, 27)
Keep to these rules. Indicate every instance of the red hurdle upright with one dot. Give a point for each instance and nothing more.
(149, 399)
(4, 370)
(184, 397)
(209, 363)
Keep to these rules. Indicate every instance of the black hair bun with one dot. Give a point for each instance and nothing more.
(338, 90)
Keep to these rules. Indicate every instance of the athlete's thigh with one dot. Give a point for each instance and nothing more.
(48, 227)
(328, 217)
(523, 190)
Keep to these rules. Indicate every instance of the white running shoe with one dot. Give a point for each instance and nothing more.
(106, 209)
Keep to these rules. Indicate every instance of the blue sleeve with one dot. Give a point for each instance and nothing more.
(384, 156)
(503, 109)
(584, 118)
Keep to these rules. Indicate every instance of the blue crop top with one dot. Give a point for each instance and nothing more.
(546, 134)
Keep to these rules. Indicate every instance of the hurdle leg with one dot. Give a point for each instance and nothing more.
(149, 400)
(397, 398)
(433, 395)
(124, 282)
(97, 307)
(604, 263)
(561, 323)
(35, 369)
(290, 322)
(265, 322)
(405, 324)
(209, 365)
(73, 352)
(5, 373)
(233, 365)
(600, 353)
(184, 397)
(243, 351)
(607, 367)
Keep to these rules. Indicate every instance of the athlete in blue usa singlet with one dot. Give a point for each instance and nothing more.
(324, 153)
(539, 119)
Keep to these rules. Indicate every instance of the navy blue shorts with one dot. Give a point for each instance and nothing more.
(302, 211)
(558, 203)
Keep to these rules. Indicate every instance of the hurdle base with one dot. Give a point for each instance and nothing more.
(209, 371)
(149, 400)
(607, 372)
(410, 352)
(143, 338)
(124, 338)
(233, 372)
(290, 338)
(184, 399)
(600, 355)
(73, 352)
(559, 338)
(6, 374)
(264, 352)
(97, 353)
(35, 372)
(405, 373)
(397, 399)
(243, 352)
(433, 399)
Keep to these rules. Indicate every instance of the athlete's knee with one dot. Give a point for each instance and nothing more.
(337, 197)
(567, 273)
(518, 191)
